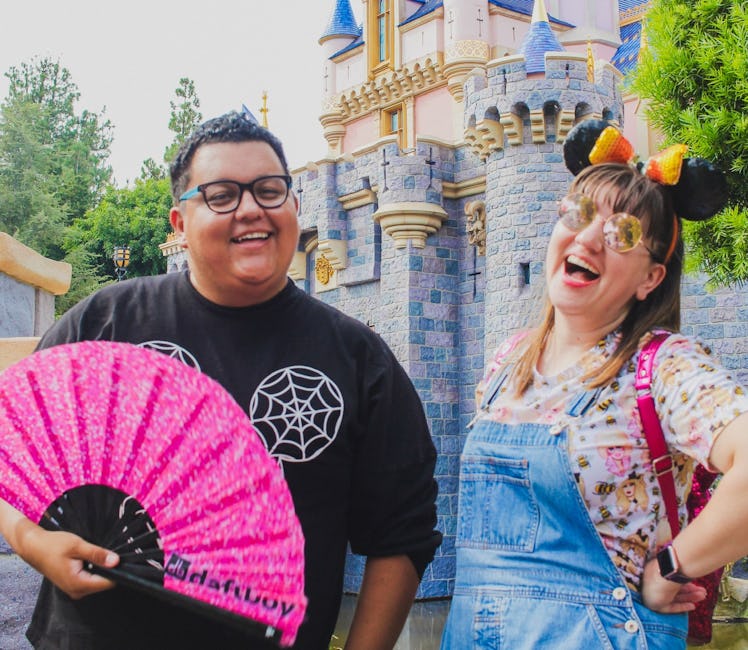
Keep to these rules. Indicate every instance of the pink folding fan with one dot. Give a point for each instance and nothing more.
(141, 454)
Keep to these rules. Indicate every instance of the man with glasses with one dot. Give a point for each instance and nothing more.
(325, 393)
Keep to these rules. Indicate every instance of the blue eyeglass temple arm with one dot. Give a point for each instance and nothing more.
(189, 194)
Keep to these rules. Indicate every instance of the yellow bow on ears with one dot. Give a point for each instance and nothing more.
(663, 168)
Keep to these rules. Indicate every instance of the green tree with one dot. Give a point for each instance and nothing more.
(695, 76)
(134, 216)
(53, 164)
(151, 170)
(185, 116)
(52, 158)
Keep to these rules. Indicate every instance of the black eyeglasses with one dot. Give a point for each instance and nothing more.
(225, 196)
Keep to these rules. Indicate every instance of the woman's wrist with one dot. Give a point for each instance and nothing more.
(670, 567)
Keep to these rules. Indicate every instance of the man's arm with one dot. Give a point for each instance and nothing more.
(59, 556)
(387, 592)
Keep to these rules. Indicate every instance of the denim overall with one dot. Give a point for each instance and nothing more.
(532, 571)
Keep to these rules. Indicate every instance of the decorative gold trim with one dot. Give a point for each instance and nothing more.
(323, 270)
(634, 14)
(375, 66)
(26, 265)
(16, 348)
(564, 124)
(459, 62)
(384, 124)
(333, 131)
(513, 128)
(476, 225)
(172, 245)
(410, 221)
(417, 77)
(297, 270)
(460, 190)
(358, 199)
(485, 137)
(336, 251)
(537, 126)
(423, 20)
(311, 244)
(472, 50)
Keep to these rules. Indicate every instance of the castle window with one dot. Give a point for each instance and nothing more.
(524, 274)
(382, 30)
(393, 123)
(380, 35)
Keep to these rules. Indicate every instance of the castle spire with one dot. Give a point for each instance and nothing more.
(342, 22)
(590, 62)
(539, 13)
(265, 110)
(539, 39)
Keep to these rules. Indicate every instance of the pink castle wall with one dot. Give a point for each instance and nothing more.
(360, 132)
(434, 115)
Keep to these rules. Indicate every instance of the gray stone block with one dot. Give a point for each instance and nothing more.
(17, 307)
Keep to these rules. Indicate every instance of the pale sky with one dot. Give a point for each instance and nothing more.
(128, 57)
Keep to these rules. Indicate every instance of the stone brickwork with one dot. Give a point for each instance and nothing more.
(719, 318)
(419, 299)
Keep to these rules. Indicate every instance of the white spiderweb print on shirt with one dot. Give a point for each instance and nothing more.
(298, 411)
(172, 350)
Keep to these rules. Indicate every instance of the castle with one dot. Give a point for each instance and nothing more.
(428, 219)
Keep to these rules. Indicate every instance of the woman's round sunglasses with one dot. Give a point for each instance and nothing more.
(621, 232)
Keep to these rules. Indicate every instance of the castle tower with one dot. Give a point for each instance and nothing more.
(517, 117)
(466, 41)
(341, 31)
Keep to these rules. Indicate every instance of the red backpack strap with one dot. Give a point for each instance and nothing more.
(662, 461)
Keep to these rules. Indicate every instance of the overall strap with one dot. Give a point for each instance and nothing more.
(662, 461)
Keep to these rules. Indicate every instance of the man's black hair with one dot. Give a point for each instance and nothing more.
(230, 127)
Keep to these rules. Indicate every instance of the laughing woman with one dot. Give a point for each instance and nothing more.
(563, 538)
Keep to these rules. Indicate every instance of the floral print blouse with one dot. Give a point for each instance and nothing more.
(695, 399)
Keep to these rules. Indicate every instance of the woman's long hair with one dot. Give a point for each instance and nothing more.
(634, 194)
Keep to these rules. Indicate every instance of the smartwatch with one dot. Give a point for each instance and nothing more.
(670, 567)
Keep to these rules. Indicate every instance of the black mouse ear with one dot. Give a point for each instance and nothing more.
(579, 142)
(701, 191)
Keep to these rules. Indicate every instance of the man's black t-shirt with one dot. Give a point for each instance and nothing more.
(332, 404)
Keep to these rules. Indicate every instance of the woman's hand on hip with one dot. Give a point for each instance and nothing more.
(665, 596)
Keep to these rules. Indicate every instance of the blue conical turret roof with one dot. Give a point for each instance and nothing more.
(342, 22)
(539, 40)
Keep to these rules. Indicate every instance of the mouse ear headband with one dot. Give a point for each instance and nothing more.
(698, 188)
